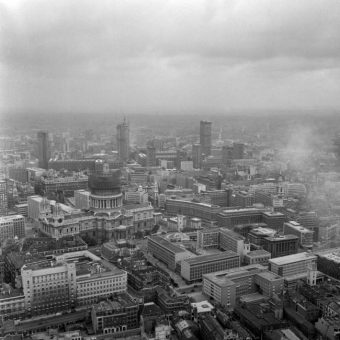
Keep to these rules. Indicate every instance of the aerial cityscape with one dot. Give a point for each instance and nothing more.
(158, 182)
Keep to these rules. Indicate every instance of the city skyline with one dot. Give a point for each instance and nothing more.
(181, 56)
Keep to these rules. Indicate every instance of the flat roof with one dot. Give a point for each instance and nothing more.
(214, 257)
(258, 252)
(233, 233)
(273, 213)
(282, 237)
(292, 258)
(242, 210)
(166, 244)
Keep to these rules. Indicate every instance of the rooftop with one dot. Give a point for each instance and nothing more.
(232, 233)
(258, 252)
(213, 257)
(120, 301)
(279, 261)
(163, 242)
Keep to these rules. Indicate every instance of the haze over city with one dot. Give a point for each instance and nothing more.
(168, 56)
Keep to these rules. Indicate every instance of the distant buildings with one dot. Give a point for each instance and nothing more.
(43, 149)
(123, 141)
(11, 226)
(205, 137)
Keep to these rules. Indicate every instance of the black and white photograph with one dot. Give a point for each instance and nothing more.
(169, 169)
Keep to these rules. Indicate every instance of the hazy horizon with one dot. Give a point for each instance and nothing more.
(161, 57)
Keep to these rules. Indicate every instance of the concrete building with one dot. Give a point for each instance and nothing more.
(43, 149)
(227, 286)
(230, 240)
(3, 198)
(257, 236)
(197, 156)
(167, 252)
(21, 209)
(208, 238)
(136, 196)
(204, 211)
(205, 137)
(305, 235)
(192, 269)
(292, 264)
(123, 141)
(229, 218)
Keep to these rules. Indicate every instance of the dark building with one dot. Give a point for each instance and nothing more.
(281, 245)
(211, 329)
(43, 149)
(227, 154)
(72, 164)
(151, 156)
(115, 315)
(205, 137)
(123, 141)
(197, 156)
(238, 151)
(171, 303)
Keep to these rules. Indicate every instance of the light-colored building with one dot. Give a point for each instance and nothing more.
(21, 209)
(12, 226)
(36, 205)
(167, 252)
(82, 199)
(12, 303)
(292, 264)
(137, 196)
(227, 286)
(305, 235)
(69, 280)
(192, 269)
(230, 240)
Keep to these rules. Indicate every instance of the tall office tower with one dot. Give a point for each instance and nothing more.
(151, 156)
(3, 198)
(196, 156)
(123, 141)
(205, 137)
(43, 149)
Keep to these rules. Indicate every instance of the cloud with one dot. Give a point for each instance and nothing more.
(96, 55)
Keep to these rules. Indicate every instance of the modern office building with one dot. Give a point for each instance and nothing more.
(257, 236)
(230, 240)
(227, 286)
(192, 269)
(292, 264)
(208, 238)
(329, 262)
(123, 141)
(205, 137)
(43, 149)
(167, 252)
(3, 198)
(197, 156)
(234, 216)
(305, 235)
(204, 211)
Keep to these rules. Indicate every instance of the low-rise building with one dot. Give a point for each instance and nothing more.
(115, 315)
(305, 235)
(257, 256)
(226, 286)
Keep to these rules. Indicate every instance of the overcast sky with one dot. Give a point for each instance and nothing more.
(145, 56)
